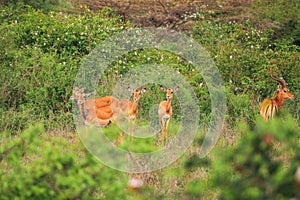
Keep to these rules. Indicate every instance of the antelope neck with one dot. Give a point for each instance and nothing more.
(279, 99)
(134, 106)
(169, 104)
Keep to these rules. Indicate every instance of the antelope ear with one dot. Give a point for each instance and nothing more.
(163, 88)
(81, 89)
(87, 95)
(176, 88)
(130, 89)
(279, 87)
(143, 90)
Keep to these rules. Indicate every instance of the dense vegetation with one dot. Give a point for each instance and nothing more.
(41, 156)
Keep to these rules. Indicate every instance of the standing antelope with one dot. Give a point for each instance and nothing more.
(130, 109)
(98, 111)
(165, 111)
(270, 107)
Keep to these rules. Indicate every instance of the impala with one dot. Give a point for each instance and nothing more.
(270, 107)
(97, 111)
(130, 109)
(165, 111)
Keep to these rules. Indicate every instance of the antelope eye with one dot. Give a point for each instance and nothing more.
(284, 91)
(171, 92)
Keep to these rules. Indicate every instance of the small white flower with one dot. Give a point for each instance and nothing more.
(201, 84)
(230, 57)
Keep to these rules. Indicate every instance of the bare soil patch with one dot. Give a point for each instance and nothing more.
(179, 15)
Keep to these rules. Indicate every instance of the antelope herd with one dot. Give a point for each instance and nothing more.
(105, 110)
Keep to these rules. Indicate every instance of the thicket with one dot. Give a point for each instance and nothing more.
(44, 5)
(262, 165)
(245, 56)
(40, 165)
(40, 54)
(281, 16)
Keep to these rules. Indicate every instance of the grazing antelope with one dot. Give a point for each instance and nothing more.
(130, 109)
(98, 111)
(270, 107)
(165, 111)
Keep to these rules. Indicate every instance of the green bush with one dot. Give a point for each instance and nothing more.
(45, 5)
(283, 16)
(39, 165)
(245, 56)
(261, 166)
(40, 55)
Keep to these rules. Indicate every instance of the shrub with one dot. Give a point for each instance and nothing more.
(245, 56)
(40, 56)
(38, 165)
(261, 166)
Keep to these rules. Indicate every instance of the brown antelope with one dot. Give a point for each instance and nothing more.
(130, 109)
(165, 111)
(97, 111)
(269, 107)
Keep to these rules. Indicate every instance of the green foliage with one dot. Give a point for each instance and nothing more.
(245, 56)
(40, 55)
(37, 165)
(261, 166)
(45, 5)
(284, 15)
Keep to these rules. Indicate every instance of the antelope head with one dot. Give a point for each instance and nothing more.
(136, 93)
(169, 92)
(282, 89)
(79, 95)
